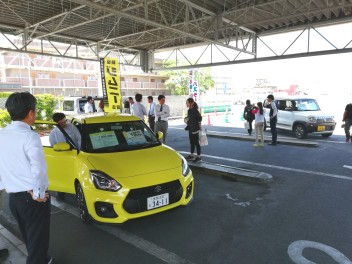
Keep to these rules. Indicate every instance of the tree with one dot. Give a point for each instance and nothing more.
(45, 108)
(178, 80)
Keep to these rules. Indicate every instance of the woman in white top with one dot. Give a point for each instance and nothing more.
(258, 112)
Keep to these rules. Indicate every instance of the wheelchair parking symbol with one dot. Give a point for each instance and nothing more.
(296, 248)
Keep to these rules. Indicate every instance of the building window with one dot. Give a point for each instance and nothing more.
(122, 79)
(152, 80)
(162, 80)
(135, 80)
(43, 75)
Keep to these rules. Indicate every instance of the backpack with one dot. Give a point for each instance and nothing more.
(248, 115)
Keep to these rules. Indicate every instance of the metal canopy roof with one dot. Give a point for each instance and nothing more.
(159, 24)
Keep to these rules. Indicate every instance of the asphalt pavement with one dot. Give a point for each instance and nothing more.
(305, 208)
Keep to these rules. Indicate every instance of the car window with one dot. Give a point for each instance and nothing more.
(118, 136)
(306, 105)
(68, 106)
(81, 104)
(266, 104)
(281, 105)
(44, 131)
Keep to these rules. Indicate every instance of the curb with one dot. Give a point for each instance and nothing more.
(292, 142)
(238, 174)
(17, 249)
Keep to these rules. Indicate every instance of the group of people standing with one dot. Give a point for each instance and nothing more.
(158, 115)
(256, 113)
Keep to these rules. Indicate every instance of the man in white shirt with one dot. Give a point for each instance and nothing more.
(151, 113)
(88, 107)
(23, 174)
(57, 136)
(273, 119)
(138, 109)
(162, 113)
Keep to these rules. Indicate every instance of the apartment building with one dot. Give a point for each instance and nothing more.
(69, 77)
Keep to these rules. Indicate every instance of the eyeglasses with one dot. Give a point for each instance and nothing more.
(62, 122)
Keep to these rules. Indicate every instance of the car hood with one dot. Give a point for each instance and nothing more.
(136, 162)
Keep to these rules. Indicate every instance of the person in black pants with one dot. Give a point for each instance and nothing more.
(249, 116)
(194, 123)
(273, 119)
(23, 174)
(4, 252)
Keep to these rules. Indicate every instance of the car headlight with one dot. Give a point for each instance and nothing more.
(312, 119)
(104, 182)
(185, 167)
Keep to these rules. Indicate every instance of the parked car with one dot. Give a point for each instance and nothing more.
(74, 105)
(121, 172)
(302, 116)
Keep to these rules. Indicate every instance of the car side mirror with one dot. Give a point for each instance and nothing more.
(160, 135)
(61, 146)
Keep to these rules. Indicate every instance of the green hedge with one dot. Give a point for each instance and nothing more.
(4, 94)
(45, 108)
(4, 118)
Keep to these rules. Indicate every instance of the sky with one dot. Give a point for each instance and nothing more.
(328, 74)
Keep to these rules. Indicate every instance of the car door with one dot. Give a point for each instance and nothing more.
(285, 115)
(61, 164)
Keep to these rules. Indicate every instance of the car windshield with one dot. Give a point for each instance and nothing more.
(118, 136)
(306, 105)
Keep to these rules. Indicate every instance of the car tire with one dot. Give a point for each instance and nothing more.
(300, 131)
(327, 135)
(82, 206)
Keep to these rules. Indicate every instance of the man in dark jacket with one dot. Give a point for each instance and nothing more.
(194, 124)
(247, 115)
(347, 118)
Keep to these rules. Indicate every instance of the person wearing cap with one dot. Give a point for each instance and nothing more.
(273, 119)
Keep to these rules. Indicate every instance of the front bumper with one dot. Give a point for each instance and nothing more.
(126, 204)
(320, 128)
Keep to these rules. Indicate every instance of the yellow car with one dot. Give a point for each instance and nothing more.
(121, 172)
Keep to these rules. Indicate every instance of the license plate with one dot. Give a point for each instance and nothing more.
(157, 201)
(321, 128)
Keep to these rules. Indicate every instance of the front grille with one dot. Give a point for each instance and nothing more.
(323, 120)
(136, 200)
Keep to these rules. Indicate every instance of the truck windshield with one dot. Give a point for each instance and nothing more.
(306, 105)
(118, 136)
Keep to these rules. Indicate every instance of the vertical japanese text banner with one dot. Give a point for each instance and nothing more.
(111, 82)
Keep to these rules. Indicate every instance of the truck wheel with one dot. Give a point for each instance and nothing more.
(300, 131)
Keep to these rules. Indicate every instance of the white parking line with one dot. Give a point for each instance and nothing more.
(146, 246)
(348, 167)
(275, 167)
